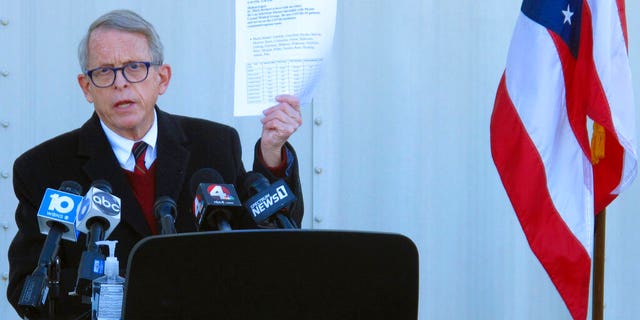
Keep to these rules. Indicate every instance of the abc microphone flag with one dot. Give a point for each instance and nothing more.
(98, 206)
(61, 207)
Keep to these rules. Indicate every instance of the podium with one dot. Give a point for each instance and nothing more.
(273, 274)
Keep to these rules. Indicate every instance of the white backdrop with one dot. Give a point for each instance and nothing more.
(396, 139)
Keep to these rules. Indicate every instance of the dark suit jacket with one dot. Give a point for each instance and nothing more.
(84, 155)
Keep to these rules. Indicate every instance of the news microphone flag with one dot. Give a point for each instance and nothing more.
(61, 207)
(99, 205)
(269, 200)
(567, 61)
(214, 196)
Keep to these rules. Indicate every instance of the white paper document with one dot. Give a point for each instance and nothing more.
(280, 49)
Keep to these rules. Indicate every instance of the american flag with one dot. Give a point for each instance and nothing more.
(567, 63)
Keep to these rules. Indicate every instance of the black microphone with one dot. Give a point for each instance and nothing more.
(165, 212)
(268, 200)
(56, 217)
(215, 203)
(98, 215)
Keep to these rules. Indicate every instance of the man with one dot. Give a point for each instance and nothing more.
(123, 75)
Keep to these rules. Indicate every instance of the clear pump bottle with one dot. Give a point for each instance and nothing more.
(108, 290)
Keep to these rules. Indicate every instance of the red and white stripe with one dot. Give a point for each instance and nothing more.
(540, 143)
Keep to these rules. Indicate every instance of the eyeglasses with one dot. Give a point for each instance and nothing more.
(133, 72)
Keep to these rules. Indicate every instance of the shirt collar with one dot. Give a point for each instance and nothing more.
(122, 146)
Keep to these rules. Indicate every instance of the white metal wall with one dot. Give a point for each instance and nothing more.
(396, 140)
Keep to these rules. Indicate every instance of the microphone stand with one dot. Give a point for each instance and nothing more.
(36, 286)
(223, 224)
(54, 285)
(92, 253)
(167, 225)
(284, 222)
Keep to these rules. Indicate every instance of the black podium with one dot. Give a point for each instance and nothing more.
(273, 274)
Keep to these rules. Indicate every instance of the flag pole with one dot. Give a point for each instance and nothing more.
(597, 299)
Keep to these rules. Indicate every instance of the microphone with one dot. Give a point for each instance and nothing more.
(215, 203)
(165, 212)
(99, 206)
(268, 200)
(98, 215)
(56, 219)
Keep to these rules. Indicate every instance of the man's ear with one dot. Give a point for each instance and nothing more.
(164, 73)
(85, 82)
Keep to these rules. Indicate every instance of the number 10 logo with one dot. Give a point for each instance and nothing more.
(61, 204)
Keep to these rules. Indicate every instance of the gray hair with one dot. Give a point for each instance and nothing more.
(123, 20)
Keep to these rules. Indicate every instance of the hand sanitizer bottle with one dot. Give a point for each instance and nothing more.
(108, 290)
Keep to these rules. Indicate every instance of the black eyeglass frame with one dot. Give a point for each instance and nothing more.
(147, 64)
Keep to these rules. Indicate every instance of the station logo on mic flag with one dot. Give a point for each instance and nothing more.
(198, 205)
(61, 207)
(567, 63)
(214, 194)
(220, 192)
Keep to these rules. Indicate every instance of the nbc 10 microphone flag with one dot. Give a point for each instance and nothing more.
(567, 63)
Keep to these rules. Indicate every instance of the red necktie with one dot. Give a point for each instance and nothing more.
(139, 150)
